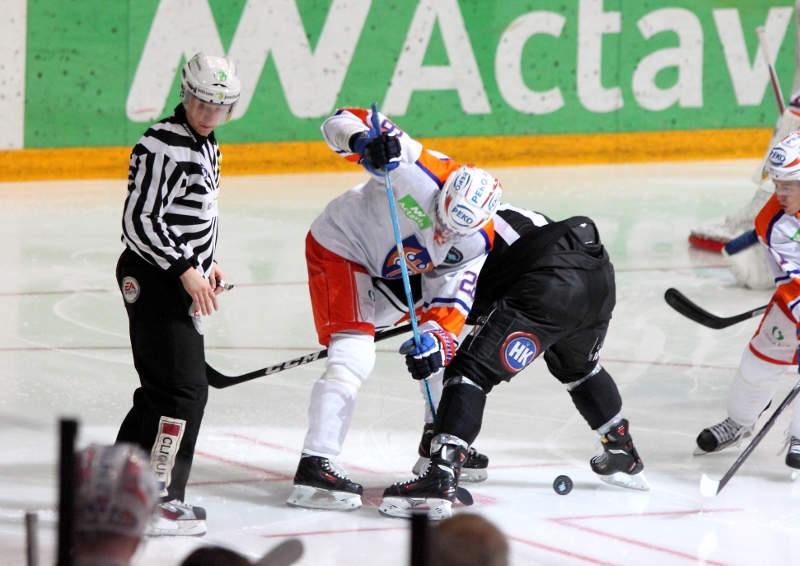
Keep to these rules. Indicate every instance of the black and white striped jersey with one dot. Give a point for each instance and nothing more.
(511, 222)
(170, 215)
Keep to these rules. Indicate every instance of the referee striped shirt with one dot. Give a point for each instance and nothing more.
(170, 215)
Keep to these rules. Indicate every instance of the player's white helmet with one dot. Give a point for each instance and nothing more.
(783, 161)
(468, 200)
(116, 490)
(211, 80)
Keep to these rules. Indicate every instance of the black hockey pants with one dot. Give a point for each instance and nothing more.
(168, 353)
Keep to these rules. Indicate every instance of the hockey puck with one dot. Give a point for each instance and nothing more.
(562, 485)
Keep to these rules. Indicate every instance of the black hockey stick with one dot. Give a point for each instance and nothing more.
(709, 487)
(218, 380)
(687, 308)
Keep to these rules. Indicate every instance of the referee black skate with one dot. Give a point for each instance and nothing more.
(546, 288)
(169, 279)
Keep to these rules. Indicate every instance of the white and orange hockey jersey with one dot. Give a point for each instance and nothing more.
(357, 225)
(780, 232)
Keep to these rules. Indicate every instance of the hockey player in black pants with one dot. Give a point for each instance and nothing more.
(546, 288)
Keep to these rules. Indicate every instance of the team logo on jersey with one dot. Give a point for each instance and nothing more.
(204, 172)
(130, 289)
(162, 458)
(414, 212)
(519, 349)
(453, 256)
(417, 260)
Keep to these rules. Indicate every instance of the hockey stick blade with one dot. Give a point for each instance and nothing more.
(218, 380)
(687, 308)
(709, 487)
(464, 496)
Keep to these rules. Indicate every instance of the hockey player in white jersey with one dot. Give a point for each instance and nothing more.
(444, 213)
(773, 347)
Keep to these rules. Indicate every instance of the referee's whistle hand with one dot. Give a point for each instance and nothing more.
(203, 296)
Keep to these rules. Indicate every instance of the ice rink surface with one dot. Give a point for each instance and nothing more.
(64, 352)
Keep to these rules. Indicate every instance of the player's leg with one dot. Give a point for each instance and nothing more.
(391, 307)
(168, 407)
(764, 361)
(343, 303)
(497, 349)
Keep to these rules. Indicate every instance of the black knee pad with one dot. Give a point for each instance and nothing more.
(460, 411)
(597, 398)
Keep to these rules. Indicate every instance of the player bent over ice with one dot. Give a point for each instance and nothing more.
(444, 213)
(546, 288)
(774, 344)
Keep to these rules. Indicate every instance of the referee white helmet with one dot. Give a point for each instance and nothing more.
(212, 80)
(468, 200)
(783, 160)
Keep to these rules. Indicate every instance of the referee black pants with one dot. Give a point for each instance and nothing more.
(168, 354)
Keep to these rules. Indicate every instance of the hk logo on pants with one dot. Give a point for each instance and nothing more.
(519, 350)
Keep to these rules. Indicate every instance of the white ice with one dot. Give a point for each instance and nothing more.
(64, 352)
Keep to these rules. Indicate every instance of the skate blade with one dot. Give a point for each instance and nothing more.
(708, 487)
(795, 474)
(316, 498)
(404, 507)
(619, 479)
(699, 451)
(162, 527)
(470, 475)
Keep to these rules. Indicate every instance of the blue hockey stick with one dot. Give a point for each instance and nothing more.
(401, 254)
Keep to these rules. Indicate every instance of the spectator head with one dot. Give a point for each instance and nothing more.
(467, 540)
(115, 495)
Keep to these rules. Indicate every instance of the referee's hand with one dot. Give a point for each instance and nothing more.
(203, 296)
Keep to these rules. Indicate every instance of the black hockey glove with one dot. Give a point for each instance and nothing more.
(378, 151)
(383, 152)
(425, 360)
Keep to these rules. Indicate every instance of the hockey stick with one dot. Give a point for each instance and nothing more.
(709, 487)
(218, 380)
(687, 308)
(401, 258)
(773, 77)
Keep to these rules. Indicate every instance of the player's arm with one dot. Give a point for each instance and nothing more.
(350, 134)
(152, 186)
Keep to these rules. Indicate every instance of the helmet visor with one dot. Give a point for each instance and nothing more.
(204, 115)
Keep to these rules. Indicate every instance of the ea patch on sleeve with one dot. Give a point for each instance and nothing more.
(162, 458)
(130, 289)
(519, 350)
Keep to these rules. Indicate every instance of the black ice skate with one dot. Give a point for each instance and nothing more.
(436, 489)
(793, 456)
(620, 464)
(721, 436)
(176, 518)
(320, 484)
(473, 469)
